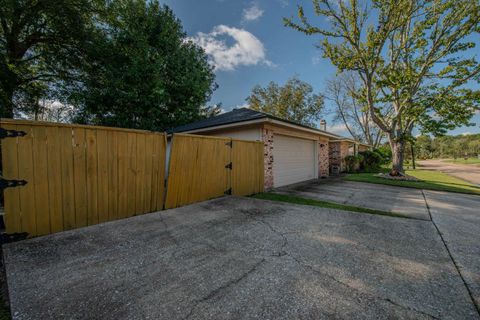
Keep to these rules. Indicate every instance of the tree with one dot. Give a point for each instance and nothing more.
(423, 147)
(40, 41)
(295, 101)
(415, 59)
(350, 110)
(142, 71)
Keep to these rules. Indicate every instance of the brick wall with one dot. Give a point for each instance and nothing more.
(267, 138)
(323, 158)
(337, 153)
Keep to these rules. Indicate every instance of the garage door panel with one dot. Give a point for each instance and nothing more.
(293, 160)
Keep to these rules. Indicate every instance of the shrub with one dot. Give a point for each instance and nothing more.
(371, 161)
(385, 152)
(353, 163)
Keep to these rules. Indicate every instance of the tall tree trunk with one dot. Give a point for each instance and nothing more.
(7, 109)
(398, 148)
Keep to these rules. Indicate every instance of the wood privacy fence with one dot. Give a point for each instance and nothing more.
(79, 175)
(205, 167)
(83, 175)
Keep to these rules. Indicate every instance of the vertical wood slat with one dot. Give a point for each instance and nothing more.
(102, 175)
(25, 172)
(140, 175)
(247, 171)
(68, 177)
(54, 177)
(197, 169)
(123, 167)
(12, 217)
(92, 176)
(40, 165)
(79, 175)
(131, 173)
(112, 161)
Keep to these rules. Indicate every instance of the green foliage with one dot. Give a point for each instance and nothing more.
(416, 60)
(460, 146)
(40, 42)
(385, 152)
(430, 180)
(371, 161)
(353, 162)
(295, 101)
(142, 71)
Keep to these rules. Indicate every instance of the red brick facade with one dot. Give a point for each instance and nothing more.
(267, 138)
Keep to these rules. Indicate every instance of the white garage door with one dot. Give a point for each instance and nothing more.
(293, 160)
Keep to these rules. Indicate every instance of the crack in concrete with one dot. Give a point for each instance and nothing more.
(470, 293)
(369, 295)
(223, 287)
(168, 232)
(311, 268)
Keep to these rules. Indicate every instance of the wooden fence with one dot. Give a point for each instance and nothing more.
(83, 175)
(79, 175)
(205, 167)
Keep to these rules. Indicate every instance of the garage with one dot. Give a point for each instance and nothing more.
(293, 160)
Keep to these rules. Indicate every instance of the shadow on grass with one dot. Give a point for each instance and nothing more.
(438, 184)
(325, 204)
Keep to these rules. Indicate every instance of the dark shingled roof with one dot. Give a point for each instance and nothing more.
(234, 116)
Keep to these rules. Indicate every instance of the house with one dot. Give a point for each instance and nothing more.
(292, 152)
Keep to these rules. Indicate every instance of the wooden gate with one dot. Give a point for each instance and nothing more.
(79, 175)
(206, 167)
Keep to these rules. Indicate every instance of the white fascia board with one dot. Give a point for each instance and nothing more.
(315, 131)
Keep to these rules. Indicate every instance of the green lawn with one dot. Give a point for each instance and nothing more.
(324, 204)
(463, 161)
(432, 180)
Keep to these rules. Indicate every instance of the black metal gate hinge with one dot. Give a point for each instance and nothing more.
(229, 143)
(228, 191)
(229, 166)
(5, 133)
(11, 183)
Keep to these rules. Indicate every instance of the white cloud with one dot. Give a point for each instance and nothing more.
(243, 105)
(247, 49)
(254, 12)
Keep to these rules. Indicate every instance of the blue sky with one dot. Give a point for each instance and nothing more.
(250, 46)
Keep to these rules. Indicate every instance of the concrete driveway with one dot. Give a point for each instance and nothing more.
(455, 216)
(406, 201)
(466, 172)
(244, 258)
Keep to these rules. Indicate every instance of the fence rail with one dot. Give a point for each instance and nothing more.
(79, 175)
(83, 175)
(205, 167)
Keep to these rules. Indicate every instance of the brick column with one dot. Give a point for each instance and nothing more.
(323, 158)
(267, 138)
(334, 155)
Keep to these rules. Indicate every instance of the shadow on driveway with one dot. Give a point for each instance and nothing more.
(236, 258)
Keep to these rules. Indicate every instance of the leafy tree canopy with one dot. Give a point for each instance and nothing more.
(142, 72)
(294, 101)
(415, 59)
(40, 42)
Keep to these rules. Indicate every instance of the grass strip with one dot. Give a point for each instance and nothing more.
(431, 180)
(325, 204)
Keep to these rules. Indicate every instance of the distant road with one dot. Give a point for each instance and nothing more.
(466, 172)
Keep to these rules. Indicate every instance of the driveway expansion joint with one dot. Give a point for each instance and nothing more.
(457, 267)
(283, 252)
